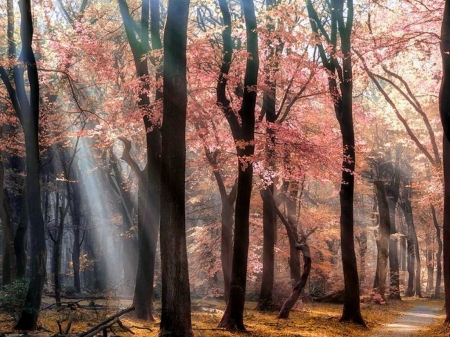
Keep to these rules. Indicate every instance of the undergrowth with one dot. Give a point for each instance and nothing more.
(306, 320)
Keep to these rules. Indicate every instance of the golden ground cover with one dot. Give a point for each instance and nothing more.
(307, 320)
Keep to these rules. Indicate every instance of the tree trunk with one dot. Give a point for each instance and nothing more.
(57, 248)
(290, 302)
(20, 238)
(8, 259)
(383, 237)
(413, 244)
(341, 94)
(176, 302)
(411, 265)
(30, 120)
(269, 213)
(430, 263)
(394, 271)
(437, 289)
(362, 242)
(444, 108)
(243, 131)
(150, 185)
(294, 258)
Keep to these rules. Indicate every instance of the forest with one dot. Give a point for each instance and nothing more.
(182, 168)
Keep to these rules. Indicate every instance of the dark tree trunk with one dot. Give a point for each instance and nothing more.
(383, 237)
(57, 248)
(233, 318)
(149, 184)
(290, 302)
(294, 258)
(340, 83)
(444, 108)
(29, 116)
(20, 238)
(226, 242)
(269, 214)
(8, 258)
(437, 289)
(176, 302)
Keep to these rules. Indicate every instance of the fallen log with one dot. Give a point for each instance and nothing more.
(106, 323)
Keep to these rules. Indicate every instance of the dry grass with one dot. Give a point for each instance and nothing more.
(307, 320)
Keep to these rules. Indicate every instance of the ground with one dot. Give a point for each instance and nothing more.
(412, 317)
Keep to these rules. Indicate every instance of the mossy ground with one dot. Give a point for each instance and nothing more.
(306, 320)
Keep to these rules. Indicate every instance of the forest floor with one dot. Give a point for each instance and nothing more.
(410, 317)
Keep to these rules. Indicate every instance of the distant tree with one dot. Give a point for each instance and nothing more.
(175, 299)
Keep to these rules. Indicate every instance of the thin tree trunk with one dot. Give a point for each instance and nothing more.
(437, 289)
(292, 299)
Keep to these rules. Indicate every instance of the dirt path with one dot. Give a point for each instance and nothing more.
(410, 323)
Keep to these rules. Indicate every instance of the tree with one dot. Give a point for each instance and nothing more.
(27, 109)
(340, 84)
(383, 237)
(149, 178)
(242, 129)
(176, 302)
(444, 108)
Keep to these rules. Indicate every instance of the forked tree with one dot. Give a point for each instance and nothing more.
(242, 127)
(338, 22)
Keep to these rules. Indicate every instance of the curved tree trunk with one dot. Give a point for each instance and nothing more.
(292, 299)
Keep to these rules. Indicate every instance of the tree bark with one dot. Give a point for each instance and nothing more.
(292, 299)
(176, 302)
(149, 182)
(29, 117)
(269, 215)
(340, 84)
(243, 134)
(8, 258)
(437, 289)
(383, 237)
(444, 108)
